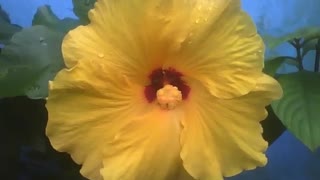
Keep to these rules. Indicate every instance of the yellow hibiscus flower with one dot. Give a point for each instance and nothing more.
(162, 90)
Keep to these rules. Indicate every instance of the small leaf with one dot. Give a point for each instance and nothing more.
(81, 9)
(7, 31)
(311, 33)
(299, 108)
(67, 24)
(45, 16)
(306, 33)
(272, 65)
(271, 41)
(6, 28)
(29, 61)
(309, 46)
(4, 16)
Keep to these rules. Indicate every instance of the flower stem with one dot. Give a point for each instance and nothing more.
(317, 58)
(297, 44)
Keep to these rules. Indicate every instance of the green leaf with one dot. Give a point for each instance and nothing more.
(306, 33)
(45, 16)
(272, 65)
(81, 9)
(4, 16)
(311, 33)
(299, 108)
(29, 61)
(7, 31)
(67, 24)
(6, 28)
(309, 46)
(271, 41)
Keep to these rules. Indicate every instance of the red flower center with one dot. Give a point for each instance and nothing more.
(160, 77)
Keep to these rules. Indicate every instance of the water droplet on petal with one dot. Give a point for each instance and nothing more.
(197, 21)
(101, 55)
(42, 41)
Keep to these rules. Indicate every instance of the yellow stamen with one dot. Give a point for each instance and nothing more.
(169, 97)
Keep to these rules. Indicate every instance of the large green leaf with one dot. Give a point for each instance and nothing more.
(4, 16)
(309, 46)
(6, 28)
(29, 61)
(6, 31)
(306, 33)
(45, 16)
(299, 108)
(67, 24)
(272, 65)
(81, 9)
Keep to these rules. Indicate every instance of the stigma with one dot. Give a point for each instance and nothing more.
(166, 87)
(169, 97)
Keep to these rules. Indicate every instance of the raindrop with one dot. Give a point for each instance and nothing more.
(197, 21)
(42, 41)
(101, 55)
(259, 52)
(34, 88)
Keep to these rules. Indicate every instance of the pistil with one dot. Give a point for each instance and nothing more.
(169, 97)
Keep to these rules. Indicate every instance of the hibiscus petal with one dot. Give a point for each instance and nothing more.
(223, 52)
(223, 137)
(147, 148)
(81, 43)
(183, 174)
(87, 106)
(135, 36)
(213, 41)
(121, 34)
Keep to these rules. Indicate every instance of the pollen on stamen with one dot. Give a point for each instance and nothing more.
(169, 97)
(161, 77)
